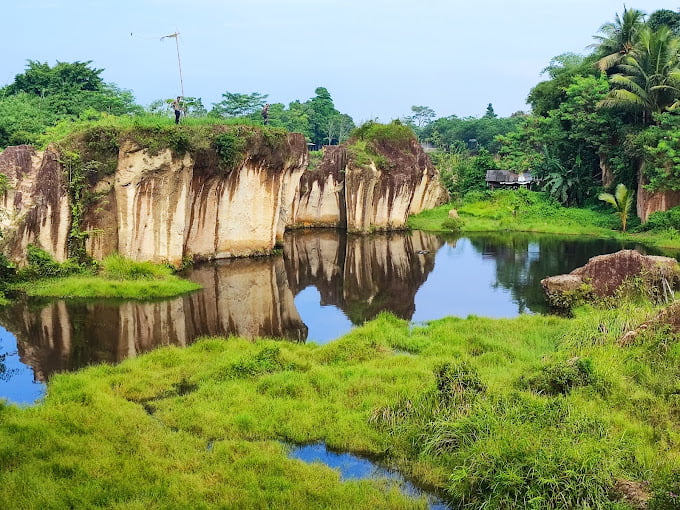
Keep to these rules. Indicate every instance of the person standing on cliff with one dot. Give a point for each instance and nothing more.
(265, 114)
(178, 107)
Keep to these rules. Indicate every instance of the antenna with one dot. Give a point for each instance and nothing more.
(179, 62)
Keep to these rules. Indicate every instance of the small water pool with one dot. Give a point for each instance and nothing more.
(353, 467)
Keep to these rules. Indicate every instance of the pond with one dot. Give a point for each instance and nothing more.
(325, 283)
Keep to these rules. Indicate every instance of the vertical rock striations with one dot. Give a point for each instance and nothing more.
(168, 205)
(364, 196)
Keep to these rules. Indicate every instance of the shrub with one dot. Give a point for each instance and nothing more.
(662, 220)
(42, 265)
(230, 147)
(453, 224)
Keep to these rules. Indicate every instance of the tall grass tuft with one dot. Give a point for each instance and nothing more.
(118, 267)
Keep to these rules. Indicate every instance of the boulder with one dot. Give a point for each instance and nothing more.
(668, 317)
(604, 275)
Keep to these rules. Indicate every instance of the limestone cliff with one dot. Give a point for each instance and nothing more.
(35, 209)
(649, 202)
(167, 207)
(363, 195)
(169, 204)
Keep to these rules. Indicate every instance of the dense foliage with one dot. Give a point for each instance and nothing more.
(600, 119)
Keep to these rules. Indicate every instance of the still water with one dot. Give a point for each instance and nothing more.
(324, 283)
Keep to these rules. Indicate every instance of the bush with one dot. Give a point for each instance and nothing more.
(453, 224)
(230, 148)
(662, 220)
(42, 265)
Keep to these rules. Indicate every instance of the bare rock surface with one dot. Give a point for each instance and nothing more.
(603, 275)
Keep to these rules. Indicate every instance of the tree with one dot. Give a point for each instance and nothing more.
(562, 70)
(618, 38)
(239, 105)
(621, 200)
(665, 17)
(490, 114)
(42, 80)
(43, 95)
(320, 112)
(422, 115)
(648, 77)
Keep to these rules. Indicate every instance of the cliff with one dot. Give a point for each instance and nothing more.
(172, 194)
(367, 192)
(649, 202)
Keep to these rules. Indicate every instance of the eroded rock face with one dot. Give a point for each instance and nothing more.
(365, 198)
(649, 202)
(166, 207)
(603, 275)
(35, 209)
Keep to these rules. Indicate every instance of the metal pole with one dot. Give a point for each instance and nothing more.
(179, 63)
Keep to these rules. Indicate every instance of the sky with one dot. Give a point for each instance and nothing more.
(376, 58)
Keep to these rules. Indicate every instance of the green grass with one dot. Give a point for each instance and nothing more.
(116, 277)
(454, 404)
(523, 211)
(83, 286)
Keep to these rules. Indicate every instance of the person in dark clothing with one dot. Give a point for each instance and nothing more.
(178, 107)
(265, 114)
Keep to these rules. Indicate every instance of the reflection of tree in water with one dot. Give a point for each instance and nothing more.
(523, 260)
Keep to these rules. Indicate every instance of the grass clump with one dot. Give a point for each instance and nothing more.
(117, 267)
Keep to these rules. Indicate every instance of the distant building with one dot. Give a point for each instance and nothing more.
(507, 179)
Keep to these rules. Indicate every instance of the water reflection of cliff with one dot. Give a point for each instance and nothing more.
(244, 297)
(362, 275)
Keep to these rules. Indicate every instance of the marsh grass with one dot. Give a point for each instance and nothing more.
(203, 426)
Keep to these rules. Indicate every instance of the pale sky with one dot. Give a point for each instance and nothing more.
(376, 58)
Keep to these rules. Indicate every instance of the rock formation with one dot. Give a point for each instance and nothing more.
(667, 319)
(604, 275)
(166, 206)
(649, 202)
(35, 209)
(363, 197)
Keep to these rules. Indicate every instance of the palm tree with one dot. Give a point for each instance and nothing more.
(621, 200)
(648, 77)
(618, 38)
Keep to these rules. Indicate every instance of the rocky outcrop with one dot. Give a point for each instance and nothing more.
(35, 208)
(649, 202)
(362, 197)
(604, 275)
(166, 206)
